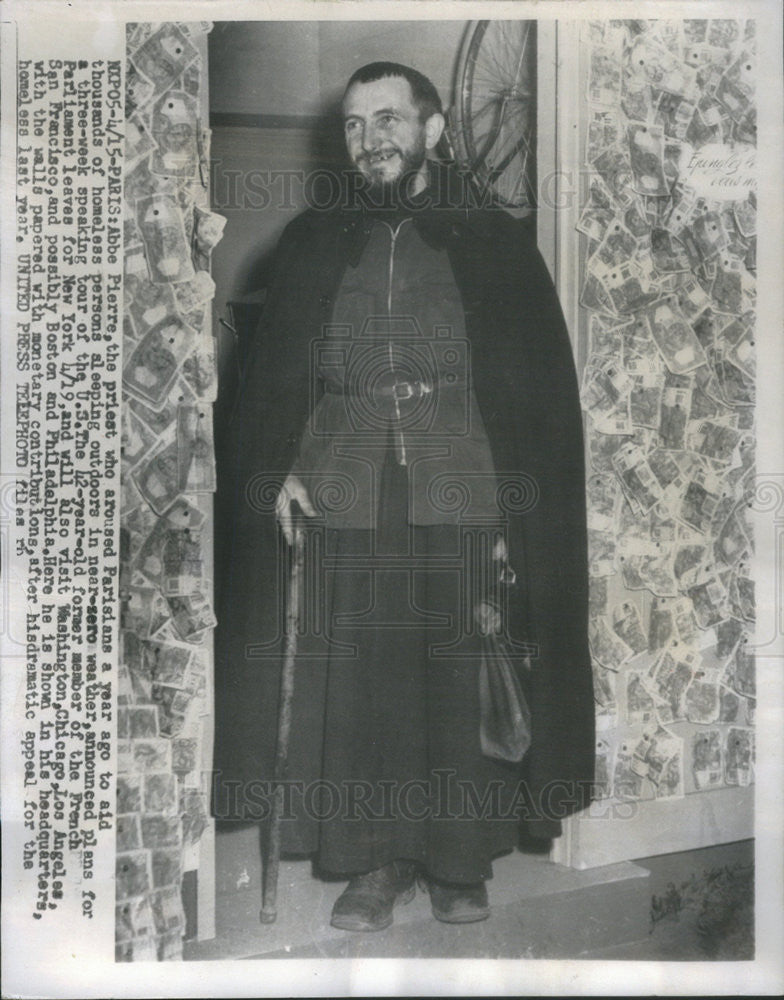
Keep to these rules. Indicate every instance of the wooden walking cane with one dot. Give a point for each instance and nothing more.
(269, 910)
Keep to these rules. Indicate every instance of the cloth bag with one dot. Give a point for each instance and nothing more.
(505, 718)
(504, 714)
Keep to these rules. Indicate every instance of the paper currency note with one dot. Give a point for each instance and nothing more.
(739, 756)
(143, 722)
(604, 81)
(640, 708)
(144, 611)
(627, 287)
(159, 793)
(139, 91)
(129, 793)
(158, 479)
(701, 700)
(646, 155)
(741, 673)
(138, 441)
(607, 648)
(603, 771)
(728, 287)
(674, 113)
(603, 495)
(662, 69)
(167, 910)
(163, 56)
(194, 293)
(604, 129)
(636, 476)
(200, 369)
(160, 220)
(597, 597)
(627, 783)
(191, 615)
(745, 213)
(194, 814)
(166, 866)
(692, 298)
(732, 707)
(627, 624)
(152, 367)
(649, 570)
(594, 297)
(674, 336)
(175, 123)
(707, 767)
(700, 501)
(614, 167)
(129, 836)
(139, 142)
(709, 600)
(151, 754)
(195, 450)
(639, 354)
(670, 784)
(185, 754)
(161, 831)
(132, 874)
(151, 305)
(605, 338)
(645, 400)
(661, 624)
(673, 675)
(170, 556)
(713, 440)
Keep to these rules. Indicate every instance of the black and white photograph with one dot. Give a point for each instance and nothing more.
(391, 498)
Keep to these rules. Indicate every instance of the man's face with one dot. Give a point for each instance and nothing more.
(384, 135)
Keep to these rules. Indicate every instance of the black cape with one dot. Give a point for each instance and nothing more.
(526, 387)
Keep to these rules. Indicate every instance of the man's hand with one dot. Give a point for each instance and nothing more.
(488, 617)
(291, 491)
(499, 550)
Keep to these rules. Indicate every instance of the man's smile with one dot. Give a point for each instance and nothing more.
(381, 156)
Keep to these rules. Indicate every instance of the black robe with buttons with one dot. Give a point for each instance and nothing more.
(526, 387)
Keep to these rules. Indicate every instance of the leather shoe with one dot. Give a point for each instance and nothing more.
(455, 903)
(367, 902)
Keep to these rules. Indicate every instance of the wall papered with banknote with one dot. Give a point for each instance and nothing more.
(168, 467)
(668, 289)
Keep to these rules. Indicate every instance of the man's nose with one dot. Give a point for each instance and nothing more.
(369, 138)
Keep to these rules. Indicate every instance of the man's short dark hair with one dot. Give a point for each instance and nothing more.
(423, 93)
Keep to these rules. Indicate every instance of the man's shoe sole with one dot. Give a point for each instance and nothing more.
(460, 918)
(346, 923)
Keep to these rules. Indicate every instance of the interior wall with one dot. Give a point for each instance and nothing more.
(265, 67)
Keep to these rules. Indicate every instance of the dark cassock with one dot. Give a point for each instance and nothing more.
(413, 374)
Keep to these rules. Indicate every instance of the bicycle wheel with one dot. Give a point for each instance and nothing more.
(494, 132)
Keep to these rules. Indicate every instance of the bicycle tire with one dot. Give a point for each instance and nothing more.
(496, 76)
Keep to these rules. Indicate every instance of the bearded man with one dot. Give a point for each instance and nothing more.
(411, 399)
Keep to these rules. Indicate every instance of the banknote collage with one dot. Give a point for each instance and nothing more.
(168, 465)
(668, 285)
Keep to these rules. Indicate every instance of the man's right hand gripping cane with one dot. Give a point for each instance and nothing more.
(292, 491)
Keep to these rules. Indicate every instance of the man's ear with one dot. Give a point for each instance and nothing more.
(434, 127)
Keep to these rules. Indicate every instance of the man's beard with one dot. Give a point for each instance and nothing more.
(393, 190)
